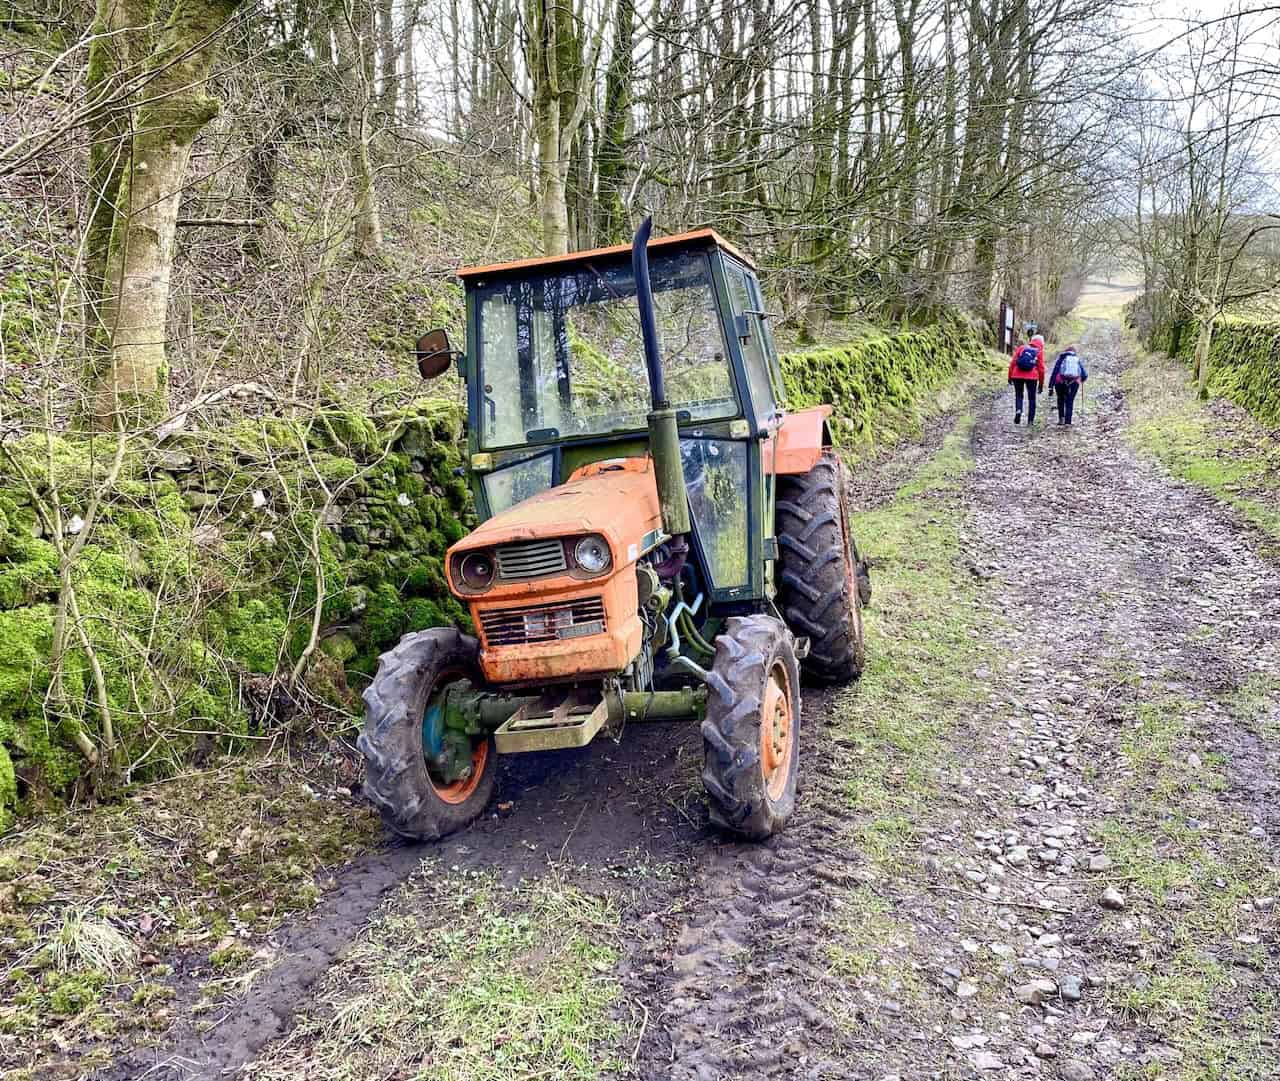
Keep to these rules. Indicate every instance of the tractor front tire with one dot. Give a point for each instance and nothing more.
(823, 584)
(397, 780)
(751, 734)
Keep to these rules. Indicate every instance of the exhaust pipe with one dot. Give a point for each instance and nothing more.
(664, 433)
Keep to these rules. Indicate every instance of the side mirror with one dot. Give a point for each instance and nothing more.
(434, 353)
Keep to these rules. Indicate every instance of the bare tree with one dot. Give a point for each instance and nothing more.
(138, 169)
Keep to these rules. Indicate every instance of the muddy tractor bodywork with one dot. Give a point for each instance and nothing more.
(660, 538)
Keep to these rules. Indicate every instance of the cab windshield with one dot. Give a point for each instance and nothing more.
(561, 355)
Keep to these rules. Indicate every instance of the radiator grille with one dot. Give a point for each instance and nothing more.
(543, 622)
(530, 559)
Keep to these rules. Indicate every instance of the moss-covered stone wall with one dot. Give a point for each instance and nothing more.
(880, 384)
(1244, 360)
(198, 580)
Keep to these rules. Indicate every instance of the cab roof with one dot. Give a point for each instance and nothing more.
(696, 238)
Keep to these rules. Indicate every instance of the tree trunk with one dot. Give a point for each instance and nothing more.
(353, 31)
(559, 69)
(553, 205)
(611, 158)
(130, 386)
(122, 42)
(944, 241)
(388, 60)
(1203, 340)
(905, 16)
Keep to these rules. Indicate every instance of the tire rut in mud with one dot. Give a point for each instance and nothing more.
(743, 992)
(305, 950)
(595, 808)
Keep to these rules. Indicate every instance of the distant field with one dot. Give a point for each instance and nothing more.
(1264, 307)
(1102, 299)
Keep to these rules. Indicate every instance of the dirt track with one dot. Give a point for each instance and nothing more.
(1126, 617)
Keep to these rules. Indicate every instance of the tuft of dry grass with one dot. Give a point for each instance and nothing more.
(89, 942)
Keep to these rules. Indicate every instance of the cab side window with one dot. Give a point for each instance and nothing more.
(766, 338)
(756, 343)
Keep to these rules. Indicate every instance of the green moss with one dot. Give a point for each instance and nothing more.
(426, 578)
(1244, 359)
(347, 430)
(149, 993)
(25, 638)
(334, 469)
(420, 614)
(28, 570)
(880, 386)
(255, 634)
(385, 619)
(70, 995)
(231, 956)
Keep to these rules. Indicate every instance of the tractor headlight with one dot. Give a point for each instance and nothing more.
(475, 570)
(592, 554)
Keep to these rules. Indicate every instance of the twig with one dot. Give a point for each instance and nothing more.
(565, 846)
(683, 813)
(229, 223)
(643, 1026)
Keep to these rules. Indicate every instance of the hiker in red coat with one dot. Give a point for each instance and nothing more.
(1026, 375)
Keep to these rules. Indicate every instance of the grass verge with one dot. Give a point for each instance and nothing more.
(1211, 445)
(927, 640)
(465, 979)
(100, 908)
(1205, 980)
(924, 639)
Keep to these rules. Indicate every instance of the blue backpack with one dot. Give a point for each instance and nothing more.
(1027, 358)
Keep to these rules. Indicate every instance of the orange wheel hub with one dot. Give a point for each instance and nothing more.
(460, 791)
(777, 732)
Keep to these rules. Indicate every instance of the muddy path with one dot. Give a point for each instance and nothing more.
(606, 805)
(1069, 870)
(595, 811)
(1088, 889)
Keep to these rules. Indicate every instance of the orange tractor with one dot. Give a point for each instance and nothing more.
(660, 541)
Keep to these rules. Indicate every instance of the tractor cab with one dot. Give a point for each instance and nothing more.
(659, 539)
(556, 378)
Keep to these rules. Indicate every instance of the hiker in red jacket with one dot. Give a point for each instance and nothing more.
(1026, 374)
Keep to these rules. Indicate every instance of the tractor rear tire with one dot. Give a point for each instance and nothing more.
(823, 585)
(751, 734)
(397, 781)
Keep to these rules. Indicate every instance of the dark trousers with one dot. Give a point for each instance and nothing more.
(1066, 393)
(1029, 387)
